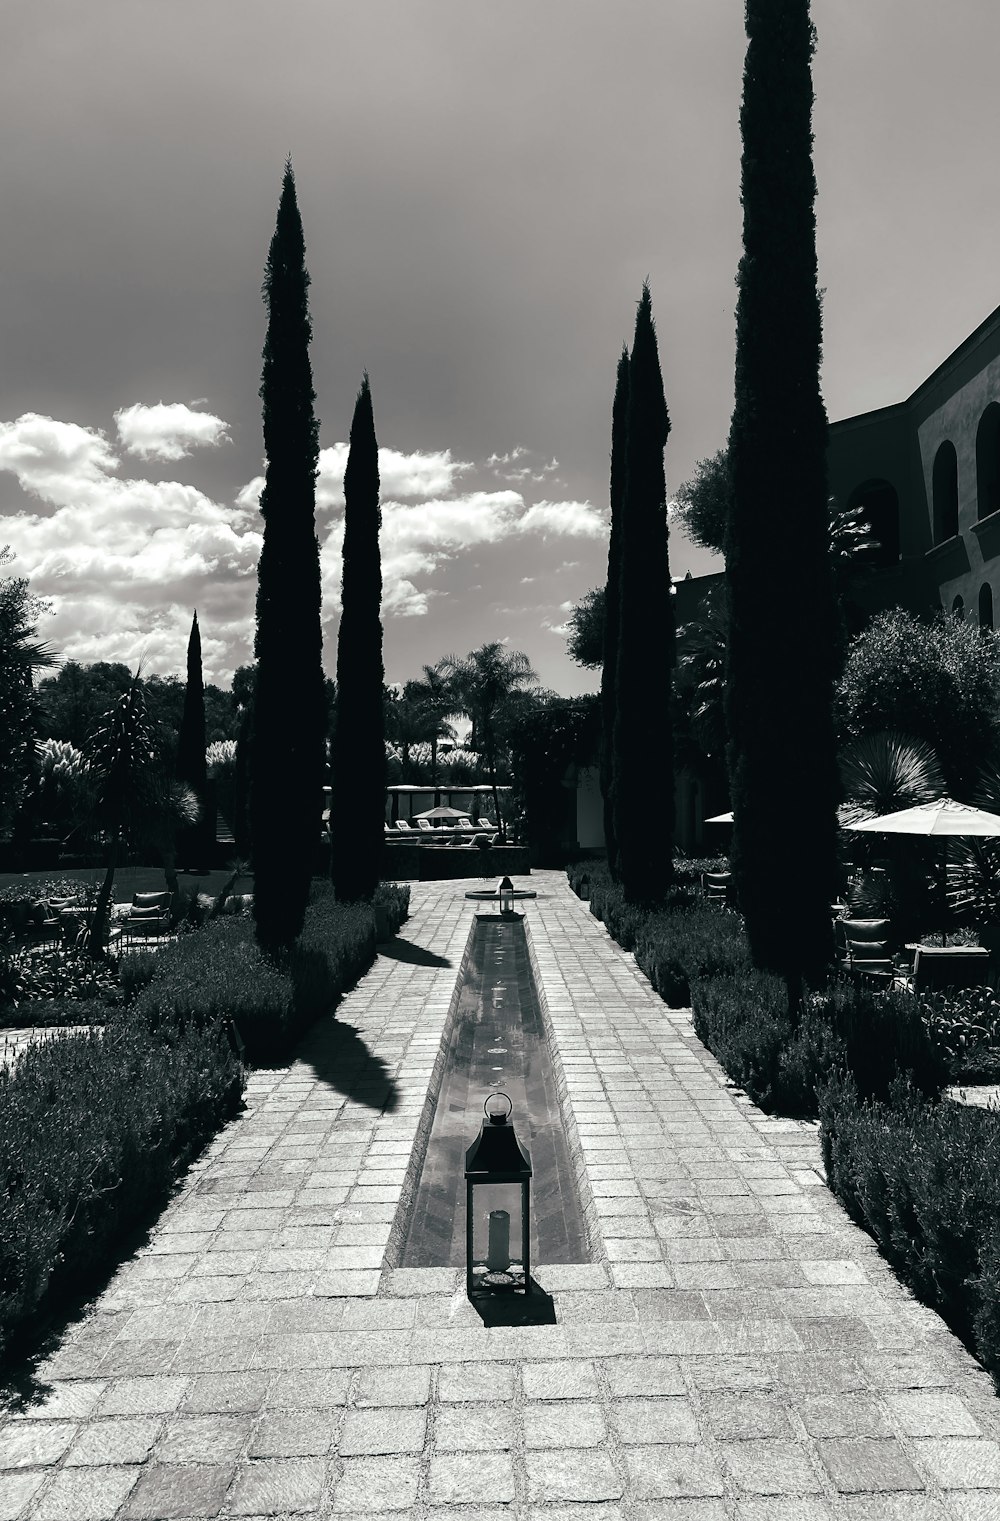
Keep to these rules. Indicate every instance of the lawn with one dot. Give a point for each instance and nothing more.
(131, 879)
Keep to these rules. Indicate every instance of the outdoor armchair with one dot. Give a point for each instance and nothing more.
(148, 915)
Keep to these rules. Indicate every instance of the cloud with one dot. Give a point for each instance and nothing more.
(168, 431)
(523, 473)
(573, 519)
(59, 462)
(416, 474)
(124, 561)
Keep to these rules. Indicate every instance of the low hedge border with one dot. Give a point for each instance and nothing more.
(94, 1128)
(924, 1180)
(920, 1174)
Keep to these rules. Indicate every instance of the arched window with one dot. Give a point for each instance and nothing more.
(880, 505)
(958, 608)
(944, 487)
(988, 461)
(986, 605)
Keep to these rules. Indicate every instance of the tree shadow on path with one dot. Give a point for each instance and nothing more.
(397, 949)
(340, 1058)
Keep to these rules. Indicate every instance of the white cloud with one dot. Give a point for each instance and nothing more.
(168, 430)
(406, 475)
(574, 519)
(124, 561)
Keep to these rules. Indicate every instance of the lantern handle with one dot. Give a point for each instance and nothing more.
(496, 1119)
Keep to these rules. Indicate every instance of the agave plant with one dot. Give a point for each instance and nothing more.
(881, 773)
(886, 771)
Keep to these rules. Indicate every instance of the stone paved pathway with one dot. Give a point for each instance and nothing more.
(736, 1349)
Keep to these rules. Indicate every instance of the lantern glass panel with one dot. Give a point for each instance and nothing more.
(497, 1235)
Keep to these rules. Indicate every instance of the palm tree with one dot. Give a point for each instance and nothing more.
(134, 799)
(434, 696)
(490, 687)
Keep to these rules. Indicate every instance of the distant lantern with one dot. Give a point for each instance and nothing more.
(505, 892)
(497, 1206)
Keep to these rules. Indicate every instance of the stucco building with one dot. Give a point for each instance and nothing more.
(927, 472)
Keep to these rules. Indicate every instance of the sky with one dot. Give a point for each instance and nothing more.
(483, 188)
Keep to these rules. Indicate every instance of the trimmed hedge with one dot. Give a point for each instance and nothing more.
(94, 1128)
(924, 1180)
(220, 973)
(744, 1022)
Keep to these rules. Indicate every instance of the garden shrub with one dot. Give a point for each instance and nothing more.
(94, 1128)
(33, 973)
(923, 1178)
(964, 1024)
(135, 972)
(394, 897)
(218, 975)
(694, 939)
(744, 1022)
(53, 1013)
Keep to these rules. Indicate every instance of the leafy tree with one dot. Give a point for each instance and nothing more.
(244, 686)
(937, 680)
(702, 503)
(289, 707)
(491, 687)
(558, 734)
(645, 654)
(612, 606)
(357, 805)
(21, 655)
(135, 801)
(783, 625)
(585, 641)
(701, 673)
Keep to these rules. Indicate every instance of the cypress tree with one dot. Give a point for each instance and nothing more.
(781, 649)
(190, 764)
(357, 801)
(288, 712)
(611, 608)
(643, 737)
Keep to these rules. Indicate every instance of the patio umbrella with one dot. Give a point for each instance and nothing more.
(941, 817)
(442, 812)
(938, 819)
(720, 818)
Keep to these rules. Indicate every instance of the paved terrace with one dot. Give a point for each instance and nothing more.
(737, 1349)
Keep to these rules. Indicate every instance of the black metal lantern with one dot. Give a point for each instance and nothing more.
(497, 1205)
(505, 892)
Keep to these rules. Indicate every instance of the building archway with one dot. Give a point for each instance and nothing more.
(879, 503)
(944, 490)
(986, 605)
(958, 609)
(988, 461)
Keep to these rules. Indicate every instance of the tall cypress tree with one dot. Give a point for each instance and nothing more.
(190, 764)
(288, 713)
(643, 732)
(782, 615)
(357, 802)
(611, 608)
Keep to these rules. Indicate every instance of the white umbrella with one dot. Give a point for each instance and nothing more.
(720, 818)
(442, 812)
(942, 817)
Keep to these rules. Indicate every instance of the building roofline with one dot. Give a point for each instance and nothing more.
(963, 350)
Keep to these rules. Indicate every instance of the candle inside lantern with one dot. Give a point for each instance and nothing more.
(498, 1251)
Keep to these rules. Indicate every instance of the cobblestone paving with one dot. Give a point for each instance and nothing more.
(737, 1349)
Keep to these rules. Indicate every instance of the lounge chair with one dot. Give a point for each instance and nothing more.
(403, 824)
(717, 885)
(425, 825)
(950, 966)
(148, 915)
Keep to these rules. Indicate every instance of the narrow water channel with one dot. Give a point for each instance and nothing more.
(498, 1041)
